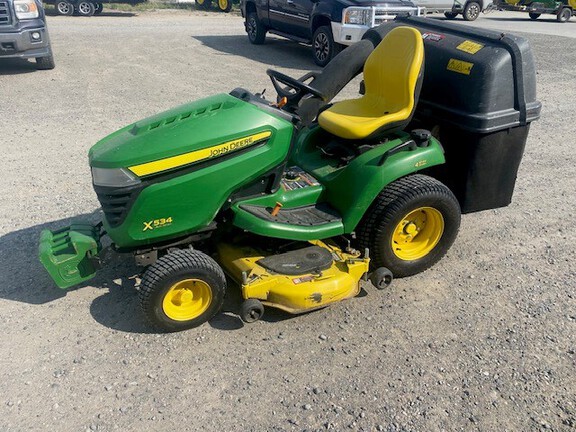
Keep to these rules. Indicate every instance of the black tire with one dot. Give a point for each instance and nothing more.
(413, 207)
(255, 29)
(64, 8)
(323, 46)
(450, 15)
(251, 310)
(564, 15)
(203, 4)
(224, 5)
(182, 290)
(98, 8)
(533, 15)
(381, 278)
(85, 8)
(471, 11)
(45, 63)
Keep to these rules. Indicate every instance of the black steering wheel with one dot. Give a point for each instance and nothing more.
(300, 88)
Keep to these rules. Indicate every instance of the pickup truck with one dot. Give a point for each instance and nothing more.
(23, 32)
(470, 9)
(327, 25)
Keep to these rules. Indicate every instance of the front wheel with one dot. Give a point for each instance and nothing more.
(533, 15)
(203, 4)
(450, 15)
(64, 8)
(255, 29)
(323, 45)
(411, 225)
(182, 290)
(564, 15)
(98, 8)
(471, 11)
(224, 5)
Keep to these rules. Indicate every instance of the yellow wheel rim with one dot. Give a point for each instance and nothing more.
(417, 233)
(200, 2)
(223, 4)
(187, 299)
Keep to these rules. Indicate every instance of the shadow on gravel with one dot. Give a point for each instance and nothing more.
(275, 52)
(15, 66)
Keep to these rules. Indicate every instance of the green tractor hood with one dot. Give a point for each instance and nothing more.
(194, 126)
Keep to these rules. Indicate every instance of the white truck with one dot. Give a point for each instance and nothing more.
(470, 9)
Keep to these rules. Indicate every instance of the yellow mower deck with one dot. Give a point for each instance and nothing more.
(294, 293)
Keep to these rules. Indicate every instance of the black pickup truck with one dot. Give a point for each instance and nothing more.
(23, 32)
(327, 25)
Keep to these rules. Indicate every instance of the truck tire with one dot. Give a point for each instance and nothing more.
(564, 15)
(533, 15)
(182, 290)
(255, 29)
(85, 8)
(45, 63)
(410, 225)
(224, 5)
(98, 8)
(471, 11)
(64, 8)
(450, 15)
(323, 46)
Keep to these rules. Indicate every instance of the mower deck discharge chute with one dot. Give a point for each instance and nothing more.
(295, 200)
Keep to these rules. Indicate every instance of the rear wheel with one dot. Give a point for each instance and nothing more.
(98, 8)
(564, 15)
(85, 8)
(203, 4)
(450, 15)
(64, 8)
(533, 15)
(411, 225)
(182, 290)
(225, 5)
(255, 29)
(471, 11)
(323, 45)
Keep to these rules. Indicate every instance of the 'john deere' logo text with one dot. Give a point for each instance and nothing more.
(232, 146)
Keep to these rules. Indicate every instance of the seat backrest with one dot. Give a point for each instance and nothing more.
(393, 71)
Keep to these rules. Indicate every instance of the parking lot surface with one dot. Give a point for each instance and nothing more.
(483, 341)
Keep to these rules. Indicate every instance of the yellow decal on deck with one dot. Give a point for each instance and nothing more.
(421, 163)
(459, 66)
(197, 155)
(157, 223)
(470, 47)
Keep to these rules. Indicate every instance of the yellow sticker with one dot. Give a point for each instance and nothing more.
(459, 66)
(157, 223)
(470, 47)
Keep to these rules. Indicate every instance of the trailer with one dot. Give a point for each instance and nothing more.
(563, 10)
(84, 7)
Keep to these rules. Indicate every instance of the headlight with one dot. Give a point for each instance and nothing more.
(359, 16)
(113, 177)
(26, 9)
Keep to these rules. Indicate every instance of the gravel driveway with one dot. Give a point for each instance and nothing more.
(483, 341)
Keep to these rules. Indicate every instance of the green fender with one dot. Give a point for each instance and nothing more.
(351, 189)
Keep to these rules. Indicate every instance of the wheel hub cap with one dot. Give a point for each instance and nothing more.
(321, 46)
(187, 299)
(417, 233)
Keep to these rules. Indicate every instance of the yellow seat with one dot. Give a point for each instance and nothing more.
(392, 77)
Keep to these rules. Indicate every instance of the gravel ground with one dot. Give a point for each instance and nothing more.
(483, 341)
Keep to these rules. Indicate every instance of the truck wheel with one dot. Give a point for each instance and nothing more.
(471, 11)
(323, 45)
(255, 29)
(85, 8)
(450, 15)
(182, 290)
(410, 225)
(224, 5)
(45, 63)
(533, 15)
(64, 8)
(98, 8)
(203, 4)
(564, 15)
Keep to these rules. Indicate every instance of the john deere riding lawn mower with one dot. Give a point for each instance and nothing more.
(295, 199)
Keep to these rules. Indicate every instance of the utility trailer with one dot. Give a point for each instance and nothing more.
(563, 10)
(84, 7)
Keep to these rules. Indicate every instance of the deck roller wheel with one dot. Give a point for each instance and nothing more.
(381, 278)
(251, 310)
